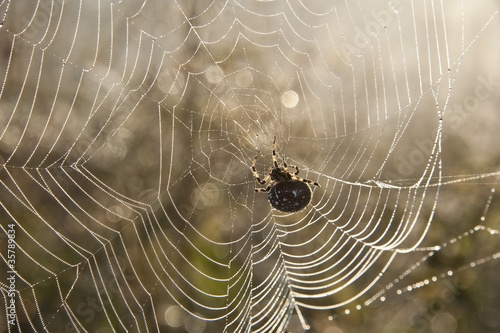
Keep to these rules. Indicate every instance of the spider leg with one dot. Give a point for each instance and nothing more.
(271, 183)
(263, 189)
(275, 162)
(255, 173)
(291, 166)
(306, 181)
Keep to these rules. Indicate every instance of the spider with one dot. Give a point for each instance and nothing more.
(286, 192)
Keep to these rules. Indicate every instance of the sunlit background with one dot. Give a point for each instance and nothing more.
(127, 132)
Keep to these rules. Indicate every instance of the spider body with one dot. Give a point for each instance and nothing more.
(289, 196)
(286, 192)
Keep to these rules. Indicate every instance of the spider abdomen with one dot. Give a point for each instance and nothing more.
(289, 196)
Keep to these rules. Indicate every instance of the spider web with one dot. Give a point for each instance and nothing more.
(127, 132)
